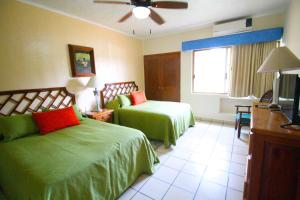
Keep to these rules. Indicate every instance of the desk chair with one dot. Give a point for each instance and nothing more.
(242, 117)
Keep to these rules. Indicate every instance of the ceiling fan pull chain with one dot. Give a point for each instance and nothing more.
(132, 25)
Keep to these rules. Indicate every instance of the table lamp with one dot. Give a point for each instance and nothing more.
(279, 59)
(95, 82)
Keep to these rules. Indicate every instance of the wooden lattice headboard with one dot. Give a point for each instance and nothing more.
(111, 90)
(34, 100)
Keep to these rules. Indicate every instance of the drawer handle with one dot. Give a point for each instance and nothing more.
(250, 157)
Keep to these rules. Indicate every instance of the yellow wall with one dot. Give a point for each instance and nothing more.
(292, 28)
(34, 51)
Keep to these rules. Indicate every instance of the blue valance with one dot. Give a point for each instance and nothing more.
(265, 35)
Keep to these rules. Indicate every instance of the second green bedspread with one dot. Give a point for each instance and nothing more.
(159, 120)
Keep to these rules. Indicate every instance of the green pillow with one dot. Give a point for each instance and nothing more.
(114, 104)
(78, 114)
(124, 100)
(12, 127)
(75, 108)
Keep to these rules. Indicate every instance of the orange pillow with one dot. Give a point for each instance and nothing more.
(55, 119)
(138, 97)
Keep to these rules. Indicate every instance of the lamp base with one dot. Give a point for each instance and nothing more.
(98, 108)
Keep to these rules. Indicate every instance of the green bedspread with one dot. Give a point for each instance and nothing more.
(94, 160)
(159, 120)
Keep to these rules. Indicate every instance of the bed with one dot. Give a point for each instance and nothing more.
(94, 160)
(158, 120)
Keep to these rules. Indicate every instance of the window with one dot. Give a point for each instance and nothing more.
(211, 69)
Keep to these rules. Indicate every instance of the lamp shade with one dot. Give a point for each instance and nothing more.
(94, 82)
(141, 12)
(280, 59)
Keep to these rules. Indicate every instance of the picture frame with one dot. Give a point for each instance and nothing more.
(82, 61)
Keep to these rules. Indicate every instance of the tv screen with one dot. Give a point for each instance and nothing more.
(289, 96)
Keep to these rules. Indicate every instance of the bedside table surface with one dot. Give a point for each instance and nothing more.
(102, 112)
(106, 115)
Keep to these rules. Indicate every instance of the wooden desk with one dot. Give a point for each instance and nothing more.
(273, 167)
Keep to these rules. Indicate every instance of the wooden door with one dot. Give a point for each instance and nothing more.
(162, 76)
(152, 77)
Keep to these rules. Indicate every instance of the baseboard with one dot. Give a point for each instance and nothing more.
(214, 120)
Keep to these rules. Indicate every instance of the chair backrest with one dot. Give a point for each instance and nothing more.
(267, 97)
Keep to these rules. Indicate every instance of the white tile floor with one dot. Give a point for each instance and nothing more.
(207, 163)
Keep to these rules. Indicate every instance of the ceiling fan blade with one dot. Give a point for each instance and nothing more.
(156, 17)
(170, 4)
(125, 17)
(112, 2)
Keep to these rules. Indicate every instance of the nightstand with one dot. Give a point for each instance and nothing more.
(106, 115)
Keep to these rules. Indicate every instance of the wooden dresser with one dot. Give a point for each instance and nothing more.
(273, 167)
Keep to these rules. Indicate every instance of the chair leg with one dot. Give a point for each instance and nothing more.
(239, 131)
(236, 124)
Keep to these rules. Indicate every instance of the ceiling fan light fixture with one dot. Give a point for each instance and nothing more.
(141, 12)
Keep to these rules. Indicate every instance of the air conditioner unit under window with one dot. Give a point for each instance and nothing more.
(231, 27)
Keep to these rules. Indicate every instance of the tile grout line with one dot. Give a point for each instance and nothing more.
(230, 164)
(191, 174)
(227, 172)
(170, 184)
(202, 175)
(181, 171)
(138, 191)
(204, 133)
(195, 195)
(228, 187)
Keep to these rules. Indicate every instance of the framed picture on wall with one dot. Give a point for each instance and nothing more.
(82, 61)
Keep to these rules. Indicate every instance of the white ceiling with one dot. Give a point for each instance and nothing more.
(199, 13)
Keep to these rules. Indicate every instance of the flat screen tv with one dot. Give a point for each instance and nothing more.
(289, 91)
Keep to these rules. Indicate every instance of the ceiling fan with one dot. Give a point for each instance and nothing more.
(142, 8)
